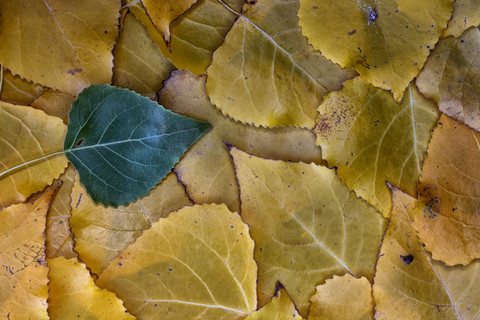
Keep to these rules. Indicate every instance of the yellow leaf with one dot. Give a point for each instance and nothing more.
(371, 139)
(27, 134)
(450, 77)
(74, 295)
(164, 12)
(23, 284)
(19, 91)
(138, 64)
(448, 221)
(207, 169)
(408, 283)
(55, 103)
(59, 240)
(102, 232)
(64, 45)
(466, 13)
(266, 73)
(342, 298)
(386, 41)
(307, 226)
(279, 308)
(196, 263)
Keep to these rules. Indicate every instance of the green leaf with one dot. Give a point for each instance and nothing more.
(123, 144)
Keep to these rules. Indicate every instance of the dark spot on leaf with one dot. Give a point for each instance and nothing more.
(73, 71)
(372, 15)
(353, 31)
(79, 142)
(407, 259)
(170, 269)
(120, 264)
(315, 7)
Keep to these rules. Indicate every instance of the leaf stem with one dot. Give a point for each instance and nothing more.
(26, 164)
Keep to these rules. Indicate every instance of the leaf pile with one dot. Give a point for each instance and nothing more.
(339, 178)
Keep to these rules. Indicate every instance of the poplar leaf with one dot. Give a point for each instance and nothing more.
(16, 90)
(279, 308)
(466, 13)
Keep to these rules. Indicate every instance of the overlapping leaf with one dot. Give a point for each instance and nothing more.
(466, 13)
(279, 308)
(54, 103)
(19, 91)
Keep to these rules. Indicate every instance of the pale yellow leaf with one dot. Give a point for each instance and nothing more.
(466, 13)
(279, 308)
(54, 103)
(19, 91)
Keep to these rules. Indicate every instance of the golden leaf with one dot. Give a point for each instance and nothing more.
(466, 13)
(279, 308)
(19, 91)
(386, 41)
(342, 298)
(266, 73)
(64, 45)
(54, 103)
(102, 232)
(371, 139)
(448, 220)
(28, 136)
(23, 273)
(74, 295)
(198, 262)
(307, 226)
(207, 169)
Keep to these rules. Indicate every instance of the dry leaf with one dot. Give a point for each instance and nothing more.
(54, 103)
(306, 224)
(196, 263)
(19, 91)
(279, 308)
(466, 13)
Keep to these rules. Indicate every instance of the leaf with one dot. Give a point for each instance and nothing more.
(386, 41)
(23, 288)
(195, 263)
(54, 103)
(450, 77)
(19, 91)
(63, 45)
(447, 222)
(27, 138)
(371, 139)
(73, 294)
(266, 73)
(102, 233)
(138, 63)
(466, 13)
(306, 224)
(408, 281)
(343, 297)
(123, 144)
(207, 169)
(279, 308)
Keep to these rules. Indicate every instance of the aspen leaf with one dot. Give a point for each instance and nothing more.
(207, 169)
(279, 308)
(74, 295)
(26, 137)
(386, 41)
(19, 91)
(101, 233)
(266, 73)
(307, 226)
(450, 77)
(343, 297)
(409, 282)
(466, 13)
(64, 45)
(54, 103)
(23, 285)
(371, 139)
(448, 220)
(198, 262)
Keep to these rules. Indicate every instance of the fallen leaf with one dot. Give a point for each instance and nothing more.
(23, 288)
(386, 41)
(466, 13)
(307, 226)
(207, 169)
(102, 232)
(343, 297)
(54, 103)
(450, 77)
(371, 139)
(266, 73)
(19, 91)
(138, 63)
(63, 45)
(74, 295)
(31, 154)
(198, 262)
(409, 282)
(448, 220)
(279, 308)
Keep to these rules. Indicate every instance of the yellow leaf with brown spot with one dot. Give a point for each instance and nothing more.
(138, 63)
(74, 295)
(19, 91)
(266, 73)
(197, 262)
(450, 77)
(28, 136)
(54, 103)
(306, 224)
(386, 41)
(408, 283)
(448, 220)
(206, 168)
(343, 297)
(279, 308)
(466, 13)
(371, 139)
(64, 45)
(24, 281)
